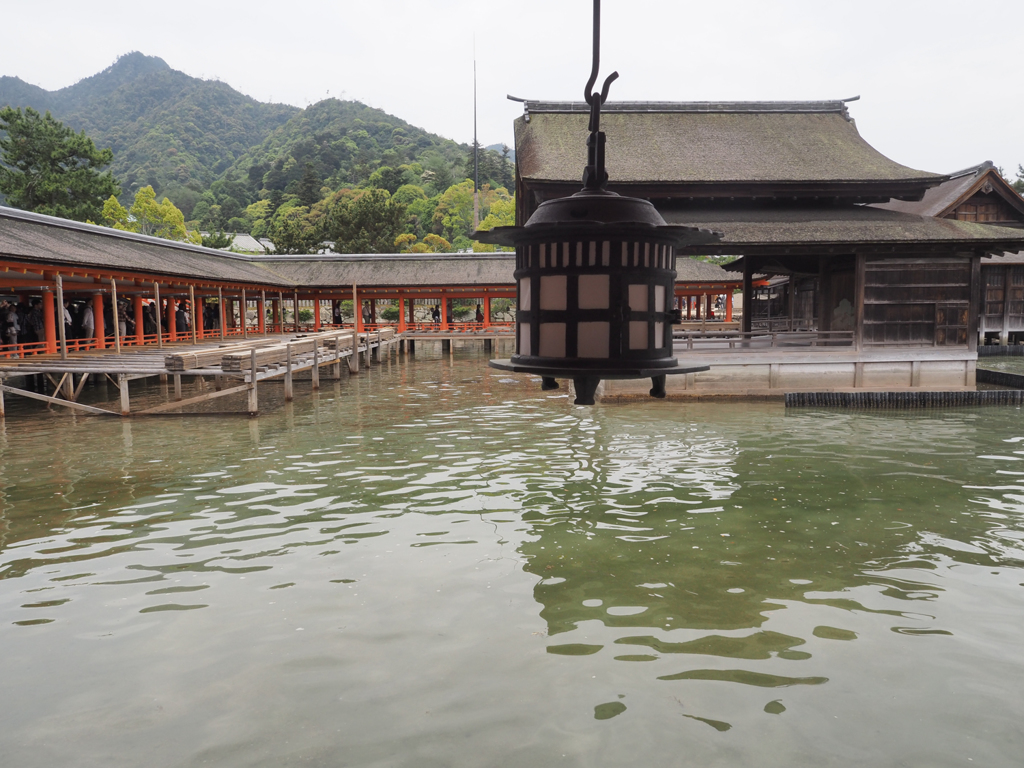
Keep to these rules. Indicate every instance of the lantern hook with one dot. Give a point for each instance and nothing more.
(594, 176)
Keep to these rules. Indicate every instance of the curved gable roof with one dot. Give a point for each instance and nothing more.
(696, 147)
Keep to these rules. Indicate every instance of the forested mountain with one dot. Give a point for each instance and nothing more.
(228, 161)
(166, 129)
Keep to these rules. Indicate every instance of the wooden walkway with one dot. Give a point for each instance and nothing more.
(240, 364)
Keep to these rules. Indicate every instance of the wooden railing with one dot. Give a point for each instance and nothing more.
(713, 341)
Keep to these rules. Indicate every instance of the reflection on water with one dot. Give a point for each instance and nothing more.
(436, 564)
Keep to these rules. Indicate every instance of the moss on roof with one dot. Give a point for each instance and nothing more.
(707, 148)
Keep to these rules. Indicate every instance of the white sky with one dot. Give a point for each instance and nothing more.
(938, 78)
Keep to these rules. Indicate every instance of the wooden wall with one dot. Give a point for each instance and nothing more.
(917, 303)
(1003, 297)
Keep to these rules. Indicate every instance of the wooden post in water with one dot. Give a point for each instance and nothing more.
(315, 373)
(60, 323)
(288, 373)
(156, 313)
(253, 401)
(122, 385)
(114, 316)
(353, 359)
(177, 386)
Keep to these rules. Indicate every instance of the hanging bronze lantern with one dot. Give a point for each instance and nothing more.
(595, 276)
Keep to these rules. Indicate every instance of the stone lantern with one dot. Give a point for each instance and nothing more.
(595, 276)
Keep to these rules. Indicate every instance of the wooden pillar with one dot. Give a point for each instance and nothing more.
(444, 313)
(97, 312)
(487, 311)
(315, 371)
(373, 311)
(177, 386)
(253, 401)
(412, 312)
(220, 311)
(402, 327)
(140, 325)
(316, 313)
(280, 308)
(1004, 333)
(192, 310)
(357, 310)
(60, 325)
(243, 315)
(288, 395)
(172, 329)
(122, 385)
(295, 311)
(976, 305)
(156, 314)
(49, 325)
(261, 312)
(728, 307)
(860, 273)
(113, 315)
(747, 294)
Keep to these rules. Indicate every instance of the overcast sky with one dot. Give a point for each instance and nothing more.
(938, 79)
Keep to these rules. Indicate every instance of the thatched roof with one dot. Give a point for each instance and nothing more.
(34, 237)
(840, 228)
(962, 185)
(393, 270)
(698, 147)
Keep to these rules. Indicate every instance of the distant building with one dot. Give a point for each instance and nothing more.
(882, 298)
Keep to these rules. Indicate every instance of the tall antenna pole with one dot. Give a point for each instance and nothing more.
(476, 153)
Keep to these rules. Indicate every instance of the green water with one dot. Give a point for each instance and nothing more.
(436, 564)
(1008, 364)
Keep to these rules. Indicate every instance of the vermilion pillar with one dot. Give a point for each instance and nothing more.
(401, 315)
(172, 333)
(140, 330)
(49, 326)
(728, 307)
(97, 313)
(316, 314)
(487, 311)
(444, 313)
(261, 312)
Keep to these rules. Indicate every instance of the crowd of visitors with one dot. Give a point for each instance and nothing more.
(23, 323)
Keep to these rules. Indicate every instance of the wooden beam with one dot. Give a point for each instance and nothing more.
(192, 400)
(56, 400)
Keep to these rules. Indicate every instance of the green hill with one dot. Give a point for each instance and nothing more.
(167, 129)
(214, 151)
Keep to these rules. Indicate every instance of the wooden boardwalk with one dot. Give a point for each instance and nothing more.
(236, 366)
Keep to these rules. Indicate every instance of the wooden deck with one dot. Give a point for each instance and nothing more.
(234, 366)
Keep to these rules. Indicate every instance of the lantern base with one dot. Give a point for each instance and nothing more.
(586, 380)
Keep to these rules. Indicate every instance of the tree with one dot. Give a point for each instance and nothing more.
(293, 230)
(454, 213)
(148, 217)
(1018, 184)
(218, 239)
(309, 186)
(501, 213)
(48, 168)
(365, 222)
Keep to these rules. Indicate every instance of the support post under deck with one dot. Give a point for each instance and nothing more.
(288, 392)
(122, 385)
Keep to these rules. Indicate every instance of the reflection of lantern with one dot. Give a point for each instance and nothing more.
(595, 277)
